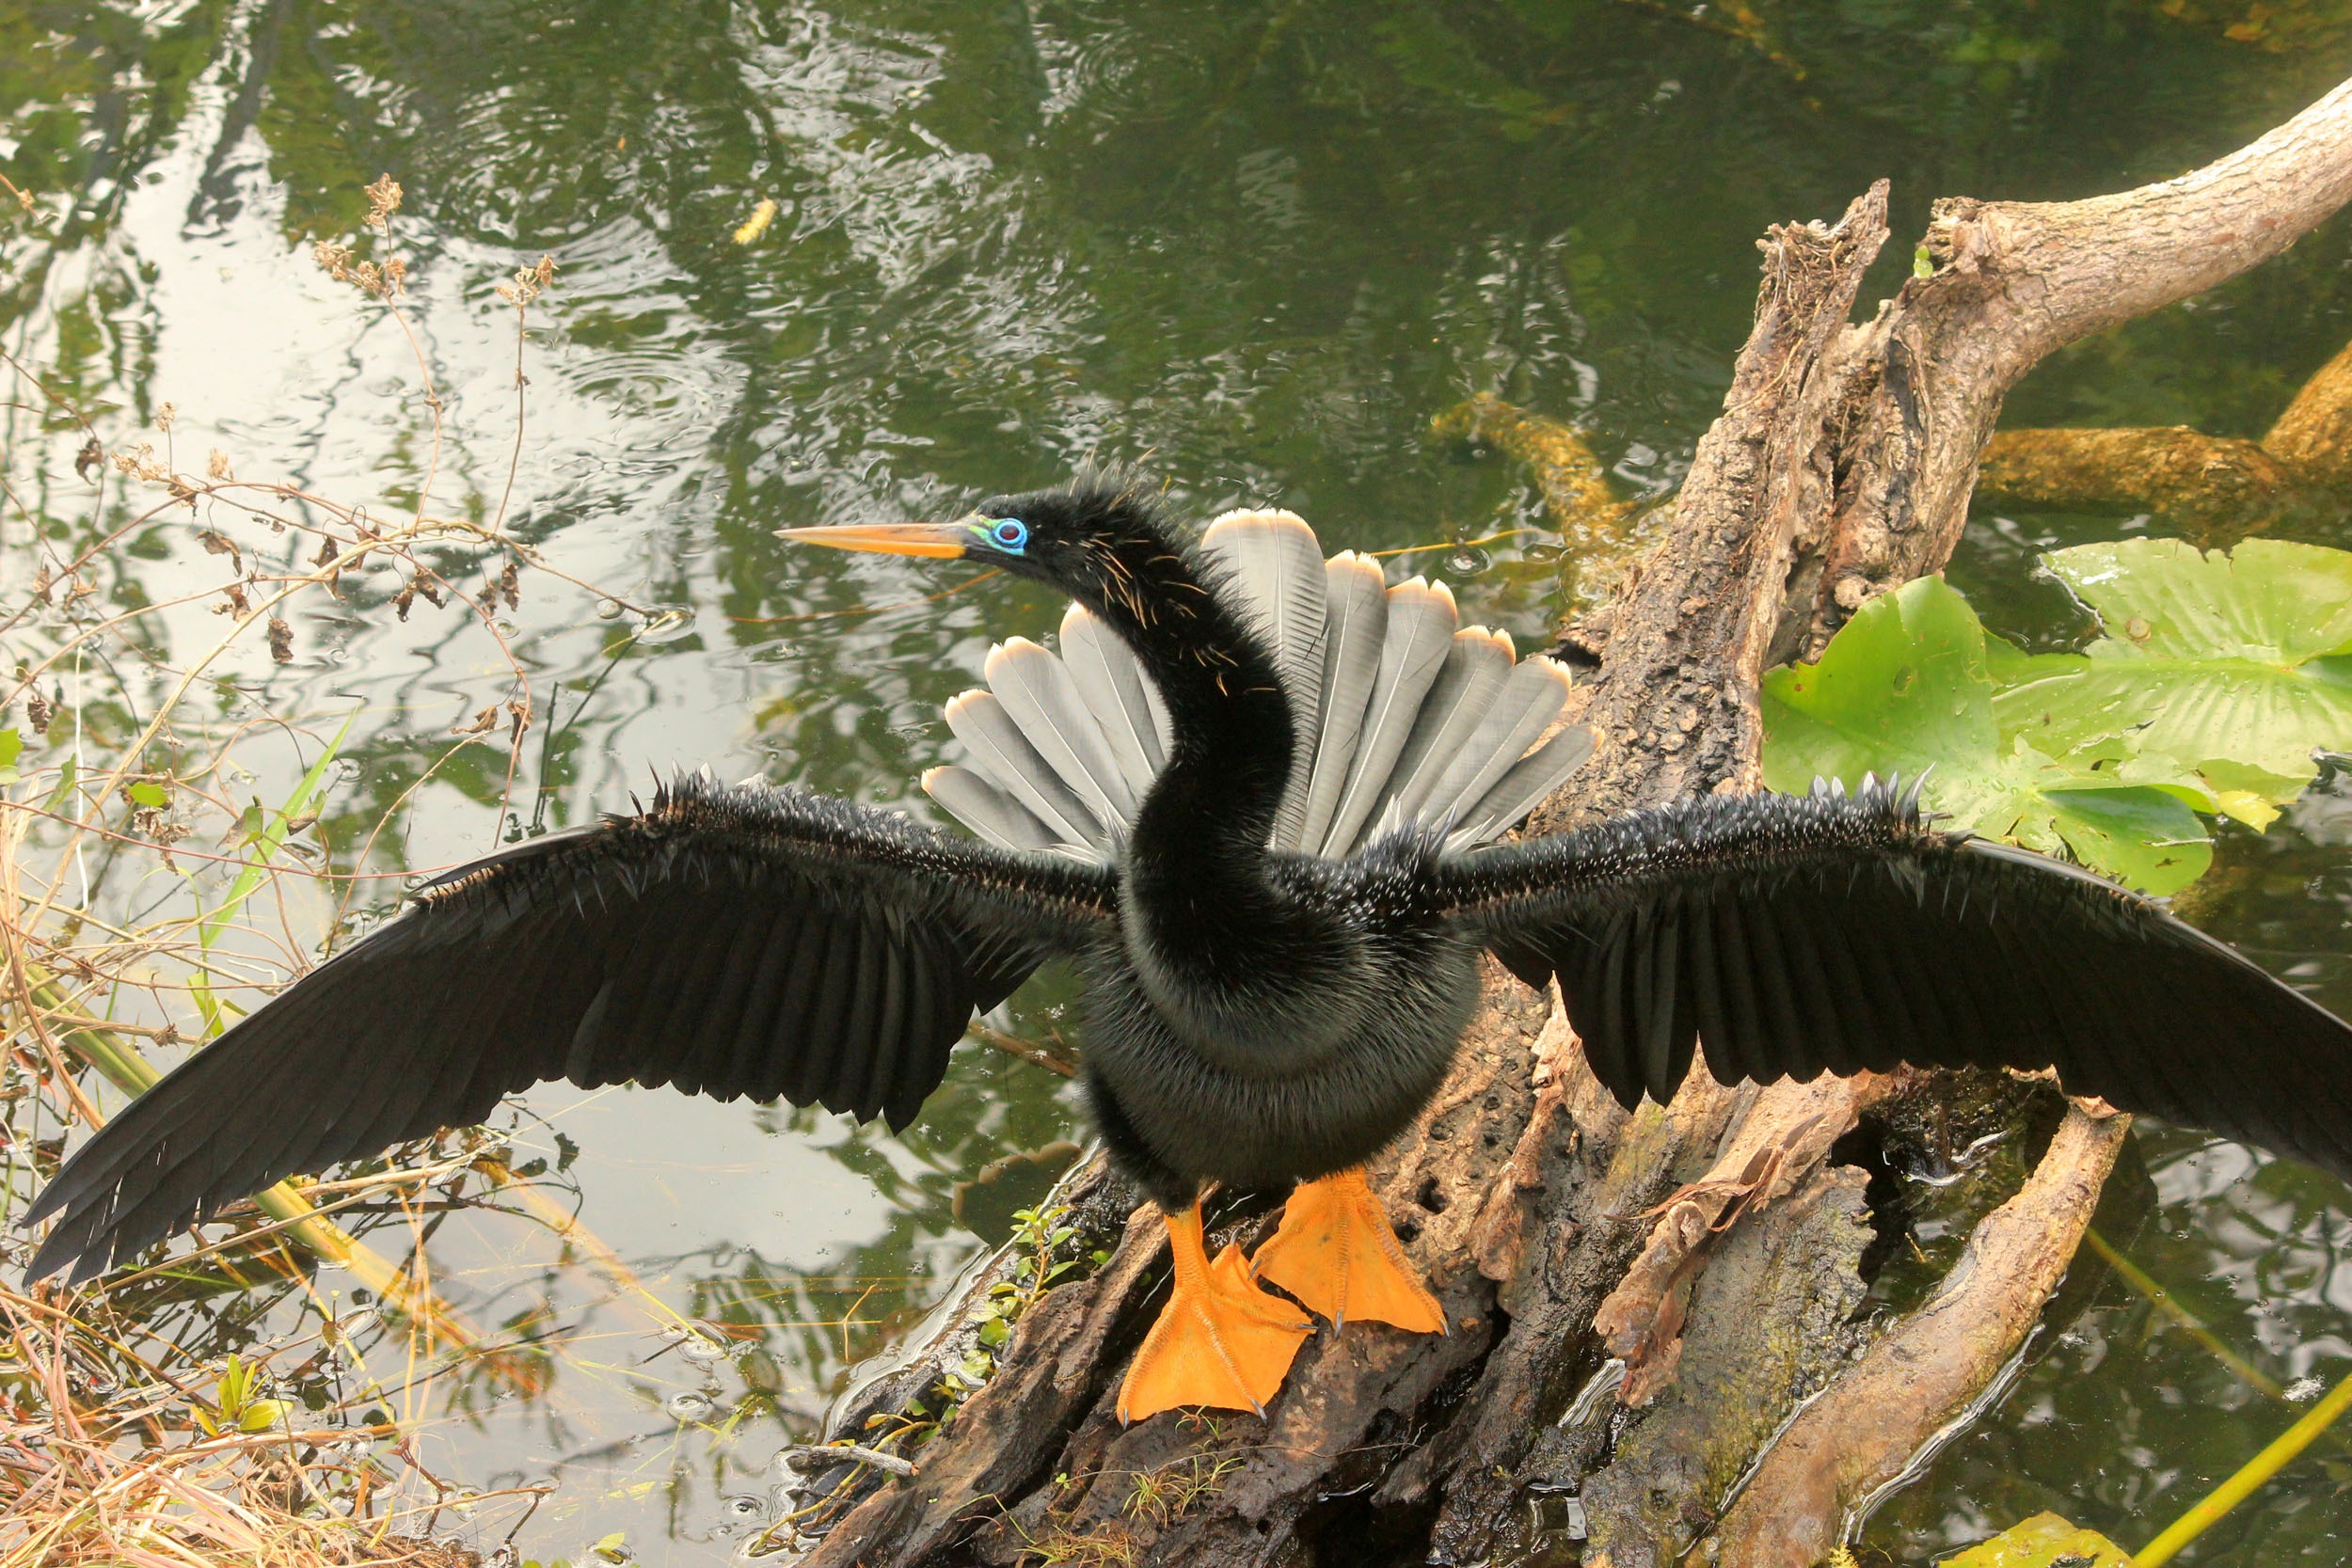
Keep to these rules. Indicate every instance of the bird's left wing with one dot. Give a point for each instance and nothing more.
(1793, 935)
(731, 942)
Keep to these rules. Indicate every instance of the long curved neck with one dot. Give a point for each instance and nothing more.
(1240, 966)
(1208, 814)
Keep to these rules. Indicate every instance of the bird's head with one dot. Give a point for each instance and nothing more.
(1084, 539)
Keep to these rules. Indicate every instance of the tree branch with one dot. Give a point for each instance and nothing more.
(2013, 282)
(1864, 1432)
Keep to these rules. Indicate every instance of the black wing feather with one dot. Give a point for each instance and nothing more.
(1844, 933)
(732, 941)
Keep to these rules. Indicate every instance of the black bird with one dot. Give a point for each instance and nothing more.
(1249, 803)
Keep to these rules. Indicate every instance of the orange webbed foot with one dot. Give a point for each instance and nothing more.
(1220, 1342)
(1336, 1253)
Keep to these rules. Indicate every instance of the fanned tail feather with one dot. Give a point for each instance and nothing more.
(1004, 755)
(1475, 667)
(1403, 716)
(988, 811)
(1421, 625)
(1041, 698)
(1277, 568)
(1355, 630)
(1116, 692)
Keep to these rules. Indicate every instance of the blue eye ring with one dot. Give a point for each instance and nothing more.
(1009, 534)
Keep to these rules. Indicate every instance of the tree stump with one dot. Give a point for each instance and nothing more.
(1840, 467)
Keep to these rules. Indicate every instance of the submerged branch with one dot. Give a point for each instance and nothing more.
(1872, 1426)
(1599, 533)
(2215, 489)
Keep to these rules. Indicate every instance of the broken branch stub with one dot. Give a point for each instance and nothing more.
(2013, 281)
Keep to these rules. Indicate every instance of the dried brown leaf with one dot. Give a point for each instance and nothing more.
(217, 543)
(280, 641)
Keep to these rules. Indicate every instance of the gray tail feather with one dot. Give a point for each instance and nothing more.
(1003, 755)
(1524, 785)
(1420, 631)
(1527, 705)
(1112, 686)
(1276, 567)
(1355, 632)
(1475, 667)
(1041, 697)
(988, 811)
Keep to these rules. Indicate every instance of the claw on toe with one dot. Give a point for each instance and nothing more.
(1336, 1253)
(1220, 1342)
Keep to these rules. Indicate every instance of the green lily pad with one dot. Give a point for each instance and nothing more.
(2237, 665)
(1905, 686)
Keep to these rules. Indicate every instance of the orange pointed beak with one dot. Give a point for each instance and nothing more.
(945, 540)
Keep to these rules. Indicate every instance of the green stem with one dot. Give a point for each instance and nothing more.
(2166, 1306)
(320, 1235)
(2227, 1496)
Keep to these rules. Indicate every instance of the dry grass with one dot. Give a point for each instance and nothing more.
(146, 892)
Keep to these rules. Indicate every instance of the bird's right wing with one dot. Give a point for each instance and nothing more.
(1789, 935)
(730, 941)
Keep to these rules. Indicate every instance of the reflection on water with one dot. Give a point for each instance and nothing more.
(1251, 247)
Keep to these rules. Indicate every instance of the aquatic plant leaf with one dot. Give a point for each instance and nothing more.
(2238, 665)
(261, 1415)
(2044, 1540)
(1905, 687)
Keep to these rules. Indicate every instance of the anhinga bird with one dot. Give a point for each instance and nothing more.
(1249, 801)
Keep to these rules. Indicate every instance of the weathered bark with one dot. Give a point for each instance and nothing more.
(2013, 282)
(1840, 467)
(1863, 1433)
(1785, 1135)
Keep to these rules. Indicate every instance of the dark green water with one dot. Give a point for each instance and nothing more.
(1250, 248)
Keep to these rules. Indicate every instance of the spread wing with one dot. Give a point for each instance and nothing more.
(1792, 936)
(730, 941)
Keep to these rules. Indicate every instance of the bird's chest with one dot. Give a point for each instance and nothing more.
(1333, 1062)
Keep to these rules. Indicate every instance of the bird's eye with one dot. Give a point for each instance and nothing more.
(1010, 534)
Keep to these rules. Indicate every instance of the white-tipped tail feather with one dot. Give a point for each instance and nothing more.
(1404, 714)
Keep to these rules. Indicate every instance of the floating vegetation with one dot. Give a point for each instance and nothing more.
(2213, 681)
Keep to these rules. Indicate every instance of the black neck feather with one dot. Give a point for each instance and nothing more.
(1217, 799)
